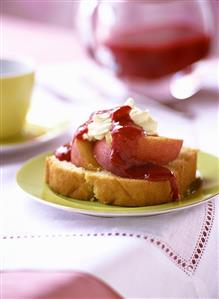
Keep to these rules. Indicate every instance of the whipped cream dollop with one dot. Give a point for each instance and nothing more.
(142, 118)
(99, 127)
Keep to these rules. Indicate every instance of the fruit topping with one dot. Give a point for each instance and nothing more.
(123, 141)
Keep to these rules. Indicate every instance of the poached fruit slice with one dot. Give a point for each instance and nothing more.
(147, 149)
(158, 150)
(82, 155)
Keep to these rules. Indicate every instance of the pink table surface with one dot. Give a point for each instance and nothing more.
(41, 42)
(54, 285)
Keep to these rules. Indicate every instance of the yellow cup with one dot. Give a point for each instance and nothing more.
(16, 85)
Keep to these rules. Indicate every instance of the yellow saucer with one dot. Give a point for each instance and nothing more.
(32, 135)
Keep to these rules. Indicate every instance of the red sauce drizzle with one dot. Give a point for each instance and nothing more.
(125, 133)
(82, 129)
(63, 153)
(156, 173)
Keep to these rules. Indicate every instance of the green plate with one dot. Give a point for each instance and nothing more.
(30, 178)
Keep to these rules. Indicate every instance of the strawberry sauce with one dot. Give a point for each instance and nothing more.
(125, 134)
(156, 173)
(63, 153)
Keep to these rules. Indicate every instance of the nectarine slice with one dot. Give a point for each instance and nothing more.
(159, 150)
(102, 153)
(149, 149)
(82, 155)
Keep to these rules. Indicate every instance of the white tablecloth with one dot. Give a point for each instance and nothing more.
(165, 256)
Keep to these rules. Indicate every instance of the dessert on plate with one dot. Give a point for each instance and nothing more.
(117, 157)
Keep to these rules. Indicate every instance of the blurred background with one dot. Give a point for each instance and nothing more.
(63, 13)
(47, 31)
